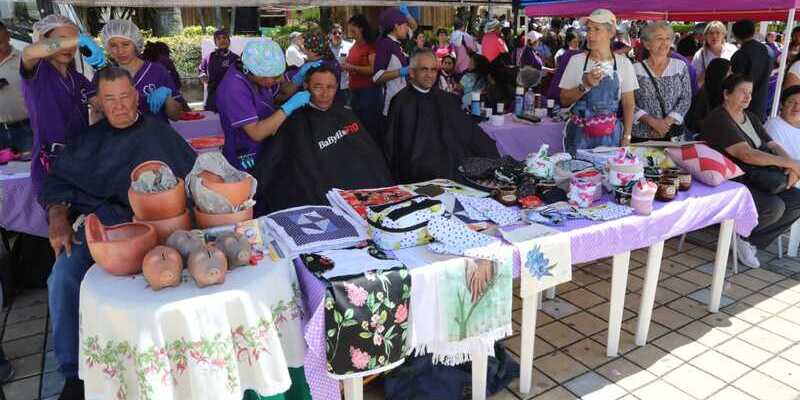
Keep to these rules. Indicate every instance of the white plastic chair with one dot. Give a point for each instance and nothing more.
(794, 241)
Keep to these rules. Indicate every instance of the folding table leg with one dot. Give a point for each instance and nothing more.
(528, 337)
(619, 281)
(720, 264)
(649, 292)
(354, 389)
(480, 361)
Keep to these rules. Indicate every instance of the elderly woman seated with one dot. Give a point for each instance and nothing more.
(785, 129)
(665, 91)
(770, 173)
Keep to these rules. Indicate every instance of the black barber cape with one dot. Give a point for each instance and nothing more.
(428, 135)
(313, 152)
(93, 175)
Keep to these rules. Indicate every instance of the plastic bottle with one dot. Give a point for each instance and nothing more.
(551, 104)
(530, 101)
(475, 106)
(519, 102)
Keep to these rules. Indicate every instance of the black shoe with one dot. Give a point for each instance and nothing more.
(73, 390)
(6, 371)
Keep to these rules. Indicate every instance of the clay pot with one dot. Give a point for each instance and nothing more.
(208, 266)
(165, 227)
(159, 205)
(236, 248)
(236, 192)
(667, 188)
(205, 220)
(162, 267)
(119, 249)
(185, 242)
(684, 181)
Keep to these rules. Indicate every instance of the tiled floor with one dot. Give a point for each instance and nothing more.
(750, 350)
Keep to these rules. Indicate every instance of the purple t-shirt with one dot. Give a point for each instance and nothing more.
(57, 108)
(242, 104)
(152, 76)
(217, 64)
(531, 58)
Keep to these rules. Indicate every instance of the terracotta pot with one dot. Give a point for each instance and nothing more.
(165, 227)
(236, 192)
(159, 205)
(236, 248)
(208, 266)
(667, 188)
(162, 267)
(119, 249)
(205, 220)
(185, 242)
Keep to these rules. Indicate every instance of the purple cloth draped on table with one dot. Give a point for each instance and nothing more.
(518, 139)
(208, 126)
(20, 212)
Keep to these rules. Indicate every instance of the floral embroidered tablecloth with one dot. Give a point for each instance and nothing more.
(187, 342)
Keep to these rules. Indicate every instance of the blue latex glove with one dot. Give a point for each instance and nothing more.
(404, 72)
(404, 10)
(96, 58)
(157, 98)
(300, 76)
(298, 100)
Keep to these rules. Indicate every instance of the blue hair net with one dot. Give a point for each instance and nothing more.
(263, 58)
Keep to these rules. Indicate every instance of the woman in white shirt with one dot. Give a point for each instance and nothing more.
(785, 129)
(714, 46)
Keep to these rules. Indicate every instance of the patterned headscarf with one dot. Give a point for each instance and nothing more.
(317, 42)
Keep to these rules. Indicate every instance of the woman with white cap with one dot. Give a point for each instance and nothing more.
(158, 92)
(246, 100)
(594, 83)
(56, 95)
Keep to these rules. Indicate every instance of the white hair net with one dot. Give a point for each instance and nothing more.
(121, 28)
(263, 58)
(50, 22)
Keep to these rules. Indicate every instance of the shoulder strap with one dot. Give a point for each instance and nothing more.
(655, 85)
(586, 62)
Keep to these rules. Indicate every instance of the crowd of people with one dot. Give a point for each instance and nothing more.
(384, 108)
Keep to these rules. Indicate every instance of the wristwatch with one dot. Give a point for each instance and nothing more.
(582, 88)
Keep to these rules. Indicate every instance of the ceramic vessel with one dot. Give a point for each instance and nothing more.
(506, 195)
(157, 205)
(684, 180)
(119, 249)
(208, 266)
(667, 188)
(205, 220)
(185, 242)
(236, 248)
(165, 227)
(162, 267)
(236, 192)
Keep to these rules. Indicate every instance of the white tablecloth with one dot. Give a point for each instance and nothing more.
(187, 342)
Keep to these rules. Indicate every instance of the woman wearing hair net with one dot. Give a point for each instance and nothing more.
(158, 92)
(246, 101)
(56, 95)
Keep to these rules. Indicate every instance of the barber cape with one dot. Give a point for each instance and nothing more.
(93, 175)
(313, 152)
(428, 135)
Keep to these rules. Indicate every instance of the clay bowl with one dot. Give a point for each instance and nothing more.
(236, 192)
(165, 227)
(119, 249)
(160, 205)
(205, 220)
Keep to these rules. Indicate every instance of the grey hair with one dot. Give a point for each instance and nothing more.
(650, 29)
(420, 53)
(110, 74)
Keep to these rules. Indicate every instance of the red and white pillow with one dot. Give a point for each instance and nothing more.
(705, 164)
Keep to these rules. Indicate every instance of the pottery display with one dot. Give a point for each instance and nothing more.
(165, 227)
(667, 188)
(185, 242)
(684, 178)
(236, 248)
(206, 220)
(208, 266)
(236, 192)
(506, 195)
(119, 249)
(157, 205)
(162, 267)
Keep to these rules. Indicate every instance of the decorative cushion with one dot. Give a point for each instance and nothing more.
(705, 164)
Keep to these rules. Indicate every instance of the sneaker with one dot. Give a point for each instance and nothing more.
(73, 390)
(747, 254)
(6, 371)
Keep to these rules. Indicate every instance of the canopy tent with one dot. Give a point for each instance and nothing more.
(287, 4)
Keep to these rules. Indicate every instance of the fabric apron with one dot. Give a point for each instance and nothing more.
(603, 99)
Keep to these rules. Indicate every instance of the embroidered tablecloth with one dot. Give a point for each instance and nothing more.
(187, 342)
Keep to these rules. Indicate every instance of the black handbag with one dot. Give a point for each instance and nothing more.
(771, 179)
(674, 130)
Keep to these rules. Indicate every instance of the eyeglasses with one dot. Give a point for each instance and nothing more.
(337, 33)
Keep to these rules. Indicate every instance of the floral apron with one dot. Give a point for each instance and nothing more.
(598, 106)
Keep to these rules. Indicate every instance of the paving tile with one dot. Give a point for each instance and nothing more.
(734, 291)
(540, 347)
(664, 295)
(585, 323)
(703, 253)
(782, 370)
(602, 289)
(24, 329)
(27, 366)
(791, 284)
(541, 318)
(731, 393)
(762, 386)
(693, 381)
(782, 327)
(504, 394)
(708, 268)
(541, 384)
(680, 286)
(747, 313)
(592, 386)
(626, 374)
(670, 318)
(688, 260)
(588, 352)
(656, 330)
(558, 393)
(654, 360)
(582, 298)
(780, 293)
(702, 297)
(584, 278)
(765, 275)
(726, 323)
(600, 270)
(627, 342)
(31, 298)
(765, 340)
(566, 287)
(558, 334)
(23, 314)
(632, 301)
(704, 334)
(558, 308)
(53, 383)
(24, 347)
(792, 354)
(749, 282)
(689, 307)
(635, 283)
(697, 277)
(560, 367)
(743, 352)
(516, 303)
(787, 262)
(765, 303)
(23, 389)
(720, 366)
(660, 390)
(680, 346)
